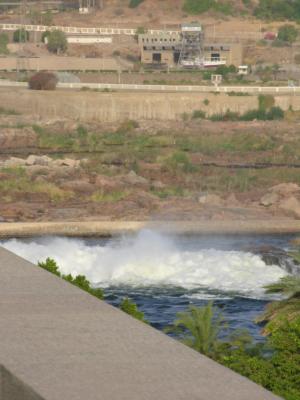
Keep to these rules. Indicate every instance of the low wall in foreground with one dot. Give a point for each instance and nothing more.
(60, 343)
(118, 106)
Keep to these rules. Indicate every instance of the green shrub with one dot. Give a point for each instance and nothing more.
(3, 43)
(57, 42)
(265, 101)
(276, 366)
(198, 114)
(80, 281)
(197, 6)
(275, 113)
(131, 308)
(287, 33)
(278, 9)
(141, 30)
(21, 36)
(201, 6)
(278, 43)
(206, 75)
(50, 266)
(179, 161)
(228, 116)
(224, 70)
(135, 3)
(45, 35)
(251, 115)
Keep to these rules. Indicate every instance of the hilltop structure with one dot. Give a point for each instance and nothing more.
(187, 49)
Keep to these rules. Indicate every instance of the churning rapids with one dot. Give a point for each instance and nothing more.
(164, 275)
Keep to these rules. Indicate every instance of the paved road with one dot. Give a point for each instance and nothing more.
(167, 88)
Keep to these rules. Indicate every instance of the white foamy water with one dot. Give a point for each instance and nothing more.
(153, 259)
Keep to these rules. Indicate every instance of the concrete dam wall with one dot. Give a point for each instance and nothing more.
(118, 106)
(60, 343)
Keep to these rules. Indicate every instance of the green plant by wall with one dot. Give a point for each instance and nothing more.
(57, 42)
(287, 33)
(198, 114)
(80, 281)
(3, 43)
(131, 308)
(20, 36)
(265, 102)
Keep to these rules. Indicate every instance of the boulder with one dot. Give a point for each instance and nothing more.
(14, 162)
(291, 205)
(269, 199)
(210, 200)
(35, 170)
(133, 179)
(38, 160)
(285, 189)
(68, 162)
(62, 172)
(158, 185)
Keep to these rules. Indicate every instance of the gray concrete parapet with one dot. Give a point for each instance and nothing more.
(59, 343)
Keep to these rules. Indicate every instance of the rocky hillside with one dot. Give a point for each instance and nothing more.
(136, 171)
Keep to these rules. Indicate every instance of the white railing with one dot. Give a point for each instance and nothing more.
(167, 88)
(82, 30)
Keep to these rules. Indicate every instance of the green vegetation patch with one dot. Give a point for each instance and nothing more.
(18, 182)
(200, 6)
(111, 197)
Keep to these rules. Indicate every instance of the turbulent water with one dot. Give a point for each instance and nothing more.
(164, 275)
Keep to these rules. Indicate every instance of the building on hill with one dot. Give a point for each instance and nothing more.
(187, 49)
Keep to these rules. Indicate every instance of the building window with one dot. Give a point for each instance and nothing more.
(215, 56)
(156, 57)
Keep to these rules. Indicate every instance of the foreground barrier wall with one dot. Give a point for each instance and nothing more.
(118, 106)
(58, 342)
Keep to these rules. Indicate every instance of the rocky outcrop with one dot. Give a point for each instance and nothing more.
(285, 189)
(291, 206)
(269, 199)
(210, 199)
(13, 138)
(133, 179)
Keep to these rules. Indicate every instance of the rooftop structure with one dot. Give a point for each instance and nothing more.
(187, 49)
(192, 40)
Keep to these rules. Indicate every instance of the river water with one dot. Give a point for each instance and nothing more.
(165, 274)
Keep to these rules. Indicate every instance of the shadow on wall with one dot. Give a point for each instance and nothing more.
(12, 388)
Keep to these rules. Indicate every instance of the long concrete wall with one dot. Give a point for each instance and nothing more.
(53, 63)
(65, 344)
(112, 107)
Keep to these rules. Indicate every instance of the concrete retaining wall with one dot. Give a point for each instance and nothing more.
(112, 107)
(65, 344)
(54, 63)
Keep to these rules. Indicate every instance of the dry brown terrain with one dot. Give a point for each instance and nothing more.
(209, 171)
